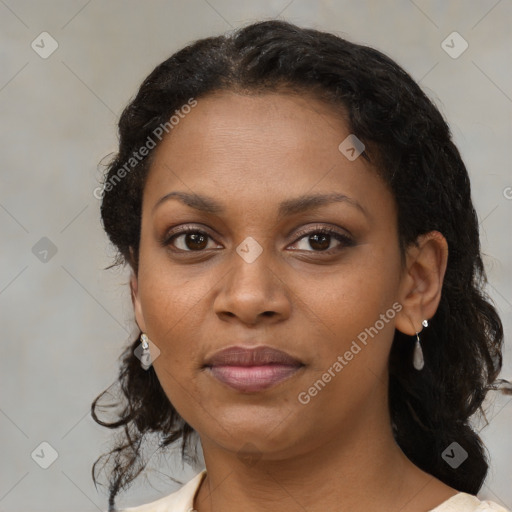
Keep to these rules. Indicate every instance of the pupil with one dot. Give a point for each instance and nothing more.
(314, 239)
(196, 239)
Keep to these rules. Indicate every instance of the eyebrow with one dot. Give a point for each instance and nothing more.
(286, 208)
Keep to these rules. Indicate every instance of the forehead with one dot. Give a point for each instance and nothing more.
(286, 115)
(259, 145)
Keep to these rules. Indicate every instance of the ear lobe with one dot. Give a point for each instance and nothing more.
(422, 281)
(137, 307)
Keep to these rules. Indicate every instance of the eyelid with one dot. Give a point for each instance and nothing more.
(326, 229)
(344, 240)
(183, 229)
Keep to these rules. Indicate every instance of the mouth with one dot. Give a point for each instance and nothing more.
(252, 370)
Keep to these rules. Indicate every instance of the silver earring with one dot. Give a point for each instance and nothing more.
(418, 361)
(145, 359)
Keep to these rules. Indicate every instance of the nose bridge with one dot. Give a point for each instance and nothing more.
(251, 287)
(251, 267)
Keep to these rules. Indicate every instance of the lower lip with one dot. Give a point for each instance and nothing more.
(253, 378)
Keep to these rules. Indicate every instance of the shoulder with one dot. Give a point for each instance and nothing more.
(463, 502)
(180, 501)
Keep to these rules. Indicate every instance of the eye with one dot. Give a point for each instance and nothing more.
(188, 240)
(320, 240)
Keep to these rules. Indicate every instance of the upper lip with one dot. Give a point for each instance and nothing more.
(257, 356)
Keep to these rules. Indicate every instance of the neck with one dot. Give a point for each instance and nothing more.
(361, 468)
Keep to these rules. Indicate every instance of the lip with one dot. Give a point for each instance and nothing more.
(251, 370)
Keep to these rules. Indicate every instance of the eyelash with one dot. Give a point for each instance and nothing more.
(344, 240)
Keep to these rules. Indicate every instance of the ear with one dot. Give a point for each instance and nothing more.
(422, 281)
(137, 308)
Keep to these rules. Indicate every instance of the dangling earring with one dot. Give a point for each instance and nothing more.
(417, 360)
(145, 358)
(146, 352)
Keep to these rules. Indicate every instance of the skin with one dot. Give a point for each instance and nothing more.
(249, 153)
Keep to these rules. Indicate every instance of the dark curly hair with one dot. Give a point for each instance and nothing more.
(408, 139)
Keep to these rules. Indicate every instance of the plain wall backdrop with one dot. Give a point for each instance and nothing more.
(65, 320)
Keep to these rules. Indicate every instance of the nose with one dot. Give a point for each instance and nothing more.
(252, 292)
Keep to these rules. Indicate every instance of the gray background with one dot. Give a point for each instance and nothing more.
(64, 319)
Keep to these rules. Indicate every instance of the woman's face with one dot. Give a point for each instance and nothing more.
(260, 273)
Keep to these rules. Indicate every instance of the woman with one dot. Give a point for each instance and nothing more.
(306, 280)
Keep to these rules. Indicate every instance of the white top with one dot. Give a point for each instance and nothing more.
(183, 500)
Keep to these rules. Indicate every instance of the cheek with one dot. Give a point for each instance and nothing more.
(170, 300)
(353, 335)
(354, 297)
(355, 314)
(170, 303)
(168, 291)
